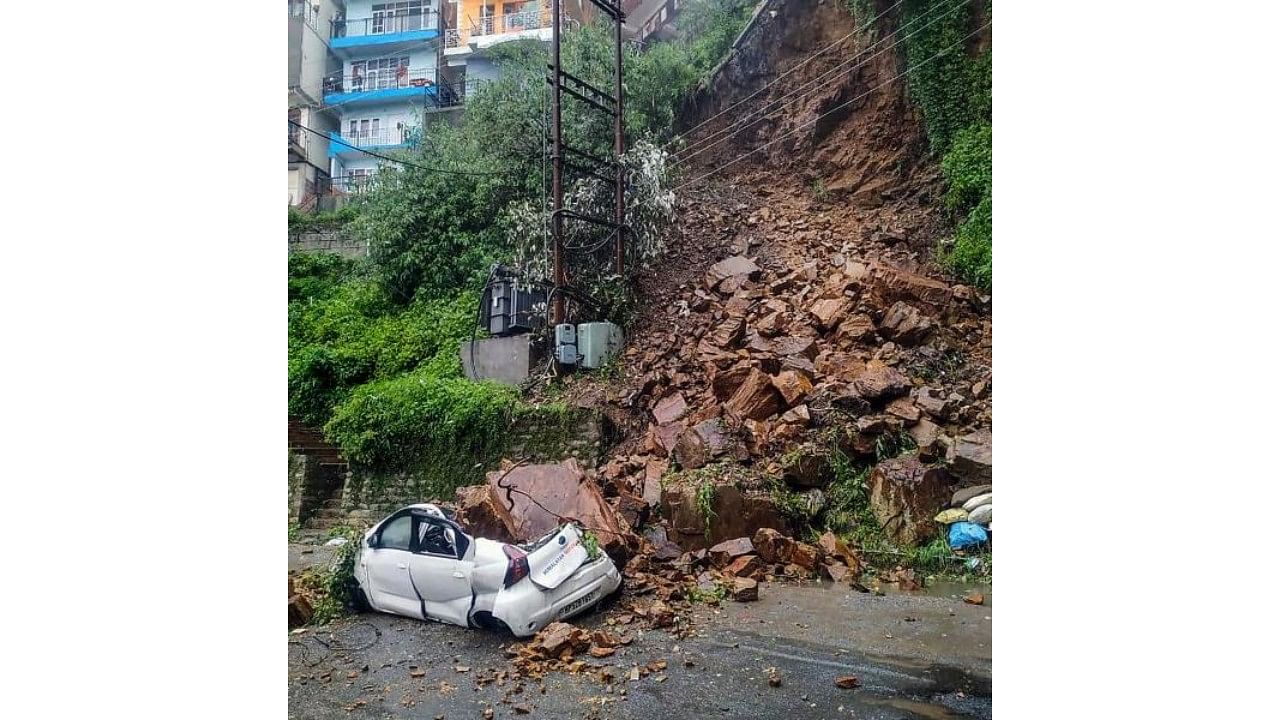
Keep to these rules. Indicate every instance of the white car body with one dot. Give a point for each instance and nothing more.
(419, 563)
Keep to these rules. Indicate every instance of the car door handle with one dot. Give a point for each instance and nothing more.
(458, 574)
(402, 566)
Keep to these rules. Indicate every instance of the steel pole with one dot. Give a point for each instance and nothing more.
(557, 172)
(619, 208)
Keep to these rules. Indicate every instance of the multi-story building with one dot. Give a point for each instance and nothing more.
(393, 64)
(310, 61)
(648, 19)
(388, 79)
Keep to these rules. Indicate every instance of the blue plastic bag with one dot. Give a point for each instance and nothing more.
(963, 535)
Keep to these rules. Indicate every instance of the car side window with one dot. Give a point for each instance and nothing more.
(395, 534)
(433, 539)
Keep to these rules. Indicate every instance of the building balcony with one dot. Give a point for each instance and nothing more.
(383, 31)
(381, 86)
(349, 144)
(486, 32)
(297, 142)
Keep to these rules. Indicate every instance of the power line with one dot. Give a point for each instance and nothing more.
(755, 116)
(814, 121)
(783, 75)
(395, 160)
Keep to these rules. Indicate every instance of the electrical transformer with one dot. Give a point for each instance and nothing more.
(597, 343)
(512, 310)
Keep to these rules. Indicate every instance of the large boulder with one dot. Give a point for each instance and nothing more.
(906, 325)
(734, 514)
(703, 443)
(735, 266)
(906, 495)
(880, 383)
(527, 502)
(756, 398)
(889, 284)
(970, 456)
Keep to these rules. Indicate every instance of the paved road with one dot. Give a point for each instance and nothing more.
(918, 656)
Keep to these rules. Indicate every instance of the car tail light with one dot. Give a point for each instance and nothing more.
(517, 565)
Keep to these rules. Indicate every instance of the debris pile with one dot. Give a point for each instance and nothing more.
(780, 327)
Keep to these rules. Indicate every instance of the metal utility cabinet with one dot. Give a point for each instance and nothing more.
(598, 342)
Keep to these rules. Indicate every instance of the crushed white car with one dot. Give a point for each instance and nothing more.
(421, 564)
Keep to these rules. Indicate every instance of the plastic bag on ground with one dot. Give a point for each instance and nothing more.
(964, 535)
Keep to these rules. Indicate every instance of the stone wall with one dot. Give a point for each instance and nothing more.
(310, 484)
(368, 497)
(331, 241)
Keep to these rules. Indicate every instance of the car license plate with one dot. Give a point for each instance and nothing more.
(578, 604)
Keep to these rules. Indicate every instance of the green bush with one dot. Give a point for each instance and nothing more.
(300, 222)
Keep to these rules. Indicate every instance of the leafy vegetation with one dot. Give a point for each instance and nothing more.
(335, 586)
(373, 344)
(953, 90)
(302, 222)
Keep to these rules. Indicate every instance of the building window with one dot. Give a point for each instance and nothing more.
(399, 16)
(379, 74)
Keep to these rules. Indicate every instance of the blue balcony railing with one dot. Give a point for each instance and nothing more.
(383, 28)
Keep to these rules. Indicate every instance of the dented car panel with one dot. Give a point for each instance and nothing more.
(419, 563)
(557, 560)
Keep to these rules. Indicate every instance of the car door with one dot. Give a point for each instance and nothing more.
(386, 563)
(441, 578)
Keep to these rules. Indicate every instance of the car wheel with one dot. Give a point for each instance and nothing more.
(487, 621)
(362, 601)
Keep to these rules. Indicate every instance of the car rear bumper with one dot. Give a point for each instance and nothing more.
(535, 608)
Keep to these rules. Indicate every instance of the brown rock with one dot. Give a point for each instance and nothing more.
(926, 436)
(834, 547)
(481, 513)
(558, 639)
(975, 598)
(796, 345)
(772, 546)
(770, 325)
(848, 682)
(798, 415)
(654, 469)
(906, 325)
(806, 556)
(858, 327)
(744, 590)
(735, 513)
(837, 571)
(879, 383)
(828, 312)
(726, 552)
(906, 495)
(662, 438)
(737, 265)
(889, 284)
(793, 386)
(727, 334)
(670, 408)
(300, 611)
(547, 495)
(724, 383)
(634, 511)
(905, 409)
(702, 443)
(756, 398)
(970, 456)
(808, 466)
(743, 566)
(934, 401)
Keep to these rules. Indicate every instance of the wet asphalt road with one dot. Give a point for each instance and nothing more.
(917, 656)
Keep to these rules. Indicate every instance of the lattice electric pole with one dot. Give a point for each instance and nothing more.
(600, 101)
